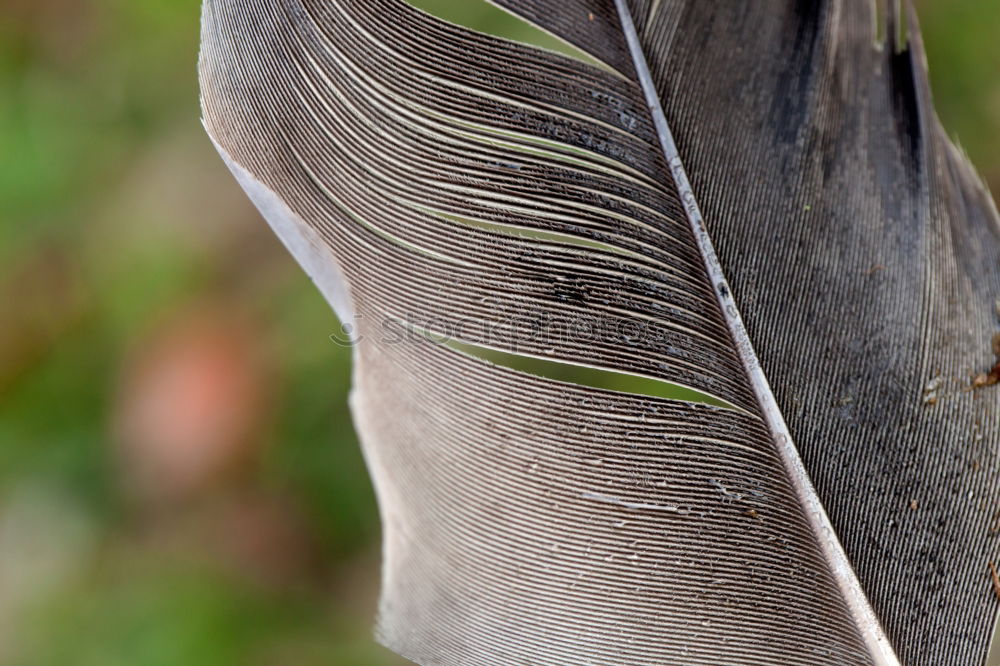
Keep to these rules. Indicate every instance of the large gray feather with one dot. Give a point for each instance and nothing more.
(440, 183)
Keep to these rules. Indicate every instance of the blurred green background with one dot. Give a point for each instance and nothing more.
(179, 479)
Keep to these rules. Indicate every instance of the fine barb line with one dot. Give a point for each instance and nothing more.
(867, 622)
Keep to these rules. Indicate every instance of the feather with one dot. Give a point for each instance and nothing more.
(752, 202)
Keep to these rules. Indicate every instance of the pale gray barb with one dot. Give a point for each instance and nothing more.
(637, 506)
(854, 245)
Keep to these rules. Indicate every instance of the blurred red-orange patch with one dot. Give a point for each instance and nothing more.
(191, 405)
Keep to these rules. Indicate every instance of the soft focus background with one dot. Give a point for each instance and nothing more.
(179, 479)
